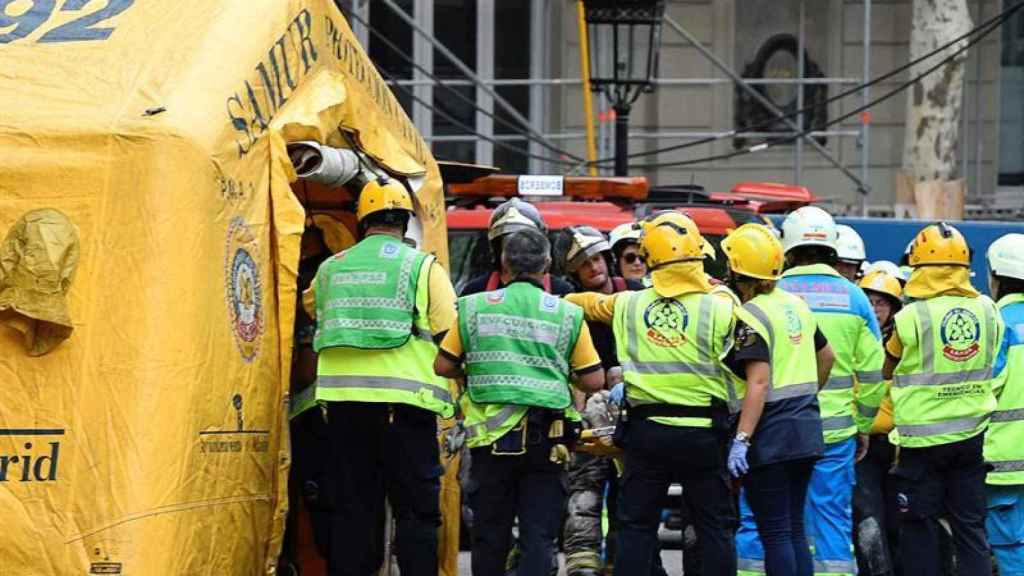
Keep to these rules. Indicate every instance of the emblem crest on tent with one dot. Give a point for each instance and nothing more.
(243, 288)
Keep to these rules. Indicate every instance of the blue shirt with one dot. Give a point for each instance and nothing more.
(1013, 316)
(825, 291)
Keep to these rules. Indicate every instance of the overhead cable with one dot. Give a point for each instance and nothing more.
(785, 140)
(518, 128)
(986, 26)
(469, 129)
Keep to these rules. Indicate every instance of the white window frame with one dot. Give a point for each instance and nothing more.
(423, 87)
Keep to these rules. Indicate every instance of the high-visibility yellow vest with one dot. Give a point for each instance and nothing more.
(942, 386)
(785, 322)
(671, 348)
(402, 375)
(1004, 440)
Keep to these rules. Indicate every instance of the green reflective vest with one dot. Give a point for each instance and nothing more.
(850, 399)
(366, 295)
(396, 375)
(942, 386)
(518, 341)
(670, 350)
(1004, 440)
(785, 322)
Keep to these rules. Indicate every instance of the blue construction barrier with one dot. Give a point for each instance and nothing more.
(887, 238)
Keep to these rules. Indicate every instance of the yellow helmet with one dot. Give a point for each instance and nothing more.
(883, 283)
(939, 244)
(754, 251)
(379, 195)
(708, 250)
(670, 237)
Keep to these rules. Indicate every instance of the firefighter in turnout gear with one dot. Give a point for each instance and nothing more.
(670, 339)
(1004, 440)
(941, 357)
(380, 306)
(511, 216)
(518, 347)
(589, 262)
(785, 360)
(850, 399)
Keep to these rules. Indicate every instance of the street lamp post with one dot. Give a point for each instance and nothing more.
(626, 70)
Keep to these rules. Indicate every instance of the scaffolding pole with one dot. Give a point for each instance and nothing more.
(762, 99)
(865, 120)
(466, 70)
(801, 47)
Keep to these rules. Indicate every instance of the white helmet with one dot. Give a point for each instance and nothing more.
(849, 244)
(1006, 256)
(809, 226)
(888, 267)
(629, 231)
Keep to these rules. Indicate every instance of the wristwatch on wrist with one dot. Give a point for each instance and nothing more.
(743, 437)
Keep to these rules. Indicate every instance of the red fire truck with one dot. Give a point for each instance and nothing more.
(603, 203)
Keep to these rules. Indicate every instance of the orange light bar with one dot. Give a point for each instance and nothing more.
(581, 187)
(774, 192)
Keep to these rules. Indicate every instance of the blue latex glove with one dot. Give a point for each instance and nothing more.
(737, 463)
(617, 394)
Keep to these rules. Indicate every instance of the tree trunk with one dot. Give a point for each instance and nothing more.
(931, 145)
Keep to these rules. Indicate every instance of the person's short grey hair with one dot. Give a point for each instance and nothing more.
(526, 251)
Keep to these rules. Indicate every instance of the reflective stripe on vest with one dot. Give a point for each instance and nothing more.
(869, 376)
(867, 411)
(839, 383)
(366, 296)
(383, 383)
(945, 427)
(943, 400)
(834, 567)
(558, 364)
(476, 430)
(940, 379)
(670, 368)
(792, 391)
(836, 422)
(650, 363)
(785, 392)
(1008, 466)
(750, 566)
(929, 377)
(518, 342)
(1008, 415)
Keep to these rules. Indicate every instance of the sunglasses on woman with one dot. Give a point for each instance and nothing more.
(631, 258)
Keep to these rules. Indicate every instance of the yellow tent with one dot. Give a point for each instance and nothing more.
(147, 279)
